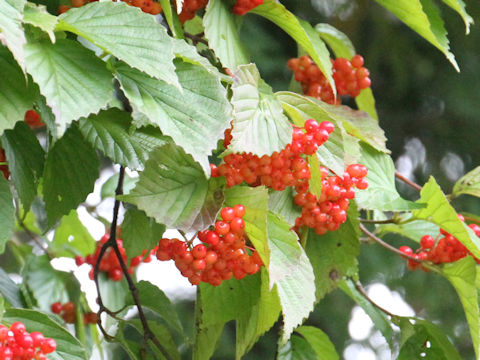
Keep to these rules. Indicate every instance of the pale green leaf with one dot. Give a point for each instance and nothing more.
(459, 7)
(174, 191)
(315, 181)
(196, 127)
(110, 132)
(72, 238)
(462, 275)
(25, 161)
(336, 40)
(413, 230)
(439, 211)
(11, 31)
(468, 184)
(139, 232)
(301, 31)
(292, 274)
(259, 126)
(261, 317)
(9, 290)
(424, 18)
(69, 176)
(255, 201)
(15, 97)
(127, 33)
(281, 203)
(68, 347)
(73, 80)
(7, 213)
(319, 341)
(381, 193)
(38, 16)
(221, 31)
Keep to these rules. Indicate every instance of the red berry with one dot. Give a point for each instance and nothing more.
(227, 213)
(18, 328)
(48, 346)
(56, 308)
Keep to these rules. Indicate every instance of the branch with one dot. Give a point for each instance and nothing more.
(388, 221)
(112, 242)
(407, 181)
(362, 291)
(198, 38)
(388, 246)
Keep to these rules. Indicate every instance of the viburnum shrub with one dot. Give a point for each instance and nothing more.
(147, 123)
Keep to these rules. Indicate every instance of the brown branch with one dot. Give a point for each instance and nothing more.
(198, 38)
(388, 221)
(388, 246)
(112, 242)
(408, 181)
(362, 291)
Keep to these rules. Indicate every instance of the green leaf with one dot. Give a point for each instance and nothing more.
(297, 348)
(381, 193)
(9, 290)
(197, 127)
(70, 172)
(68, 347)
(109, 187)
(7, 213)
(356, 123)
(221, 31)
(315, 181)
(462, 275)
(259, 126)
(424, 18)
(255, 201)
(11, 16)
(72, 238)
(259, 319)
(379, 318)
(73, 80)
(319, 341)
(144, 43)
(301, 31)
(366, 102)
(25, 161)
(468, 184)
(109, 132)
(459, 7)
(155, 299)
(114, 294)
(439, 211)
(290, 270)
(139, 232)
(333, 255)
(15, 97)
(336, 40)
(172, 19)
(174, 191)
(421, 332)
(281, 203)
(38, 16)
(413, 230)
(46, 284)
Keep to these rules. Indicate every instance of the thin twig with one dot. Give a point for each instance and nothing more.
(408, 181)
(362, 291)
(388, 246)
(388, 221)
(198, 38)
(112, 242)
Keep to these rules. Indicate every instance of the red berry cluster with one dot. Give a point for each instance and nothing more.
(110, 263)
(17, 344)
(190, 8)
(4, 168)
(349, 75)
(242, 7)
(68, 314)
(281, 169)
(33, 119)
(222, 254)
(329, 211)
(445, 248)
(147, 6)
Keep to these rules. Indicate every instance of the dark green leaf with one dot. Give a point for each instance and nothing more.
(174, 190)
(69, 176)
(9, 290)
(139, 232)
(281, 203)
(290, 270)
(259, 126)
(25, 161)
(7, 213)
(297, 348)
(319, 341)
(196, 127)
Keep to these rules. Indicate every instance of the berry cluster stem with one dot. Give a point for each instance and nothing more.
(112, 242)
(408, 181)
